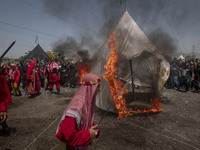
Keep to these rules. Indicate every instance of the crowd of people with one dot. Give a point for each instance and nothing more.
(33, 76)
(76, 128)
(184, 75)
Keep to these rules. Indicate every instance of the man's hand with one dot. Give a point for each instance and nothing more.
(93, 132)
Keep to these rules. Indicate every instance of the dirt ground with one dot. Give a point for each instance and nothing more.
(33, 123)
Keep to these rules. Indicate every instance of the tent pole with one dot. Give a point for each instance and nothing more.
(133, 89)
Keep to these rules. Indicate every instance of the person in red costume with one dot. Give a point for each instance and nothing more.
(76, 129)
(54, 76)
(14, 79)
(32, 83)
(5, 99)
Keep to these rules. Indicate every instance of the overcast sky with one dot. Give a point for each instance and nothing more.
(56, 20)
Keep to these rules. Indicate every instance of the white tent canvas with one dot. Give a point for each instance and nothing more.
(181, 57)
(132, 45)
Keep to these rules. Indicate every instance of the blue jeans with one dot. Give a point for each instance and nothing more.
(176, 81)
(171, 80)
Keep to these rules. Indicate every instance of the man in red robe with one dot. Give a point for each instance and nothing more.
(54, 76)
(5, 99)
(76, 129)
(14, 79)
(32, 84)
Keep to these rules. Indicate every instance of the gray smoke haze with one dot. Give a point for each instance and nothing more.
(65, 10)
(111, 15)
(66, 46)
(70, 47)
(164, 42)
(85, 55)
(95, 19)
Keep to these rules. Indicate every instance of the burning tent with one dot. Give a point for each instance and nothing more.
(133, 49)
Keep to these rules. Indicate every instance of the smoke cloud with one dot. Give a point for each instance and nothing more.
(92, 32)
(164, 42)
(93, 20)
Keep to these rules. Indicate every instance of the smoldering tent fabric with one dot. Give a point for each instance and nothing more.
(134, 47)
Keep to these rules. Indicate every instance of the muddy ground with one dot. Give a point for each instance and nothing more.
(33, 123)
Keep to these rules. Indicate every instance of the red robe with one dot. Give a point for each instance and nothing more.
(5, 96)
(71, 135)
(54, 72)
(30, 83)
(32, 78)
(14, 75)
(54, 76)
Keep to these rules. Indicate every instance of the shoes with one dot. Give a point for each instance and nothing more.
(50, 91)
(20, 94)
(6, 131)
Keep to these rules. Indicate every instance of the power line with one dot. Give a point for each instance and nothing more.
(86, 10)
(10, 34)
(29, 4)
(78, 24)
(28, 29)
(175, 23)
(15, 33)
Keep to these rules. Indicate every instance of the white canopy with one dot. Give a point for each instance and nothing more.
(181, 57)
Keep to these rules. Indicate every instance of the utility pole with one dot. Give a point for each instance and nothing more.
(193, 51)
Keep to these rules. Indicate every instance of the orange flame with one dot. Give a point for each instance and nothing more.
(83, 70)
(156, 107)
(111, 77)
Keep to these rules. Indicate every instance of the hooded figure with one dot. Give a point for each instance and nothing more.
(32, 83)
(5, 99)
(54, 76)
(76, 129)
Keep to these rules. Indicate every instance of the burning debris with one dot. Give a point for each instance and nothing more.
(85, 64)
(155, 108)
(83, 68)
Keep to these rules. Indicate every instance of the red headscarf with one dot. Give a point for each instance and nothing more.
(82, 105)
(6, 71)
(53, 65)
(30, 68)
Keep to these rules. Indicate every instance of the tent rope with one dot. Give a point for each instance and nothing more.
(43, 132)
(197, 148)
(54, 147)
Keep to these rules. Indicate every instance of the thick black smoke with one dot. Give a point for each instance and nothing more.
(95, 19)
(67, 46)
(85, 21)
(85, 55)
(164, 42)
